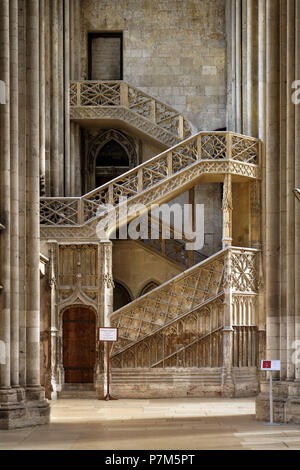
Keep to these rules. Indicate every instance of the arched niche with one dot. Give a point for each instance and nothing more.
(122, 295)
(109, 154)
(148, 287)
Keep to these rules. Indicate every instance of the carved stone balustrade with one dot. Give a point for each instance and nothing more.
(160, 179)
(119, 101)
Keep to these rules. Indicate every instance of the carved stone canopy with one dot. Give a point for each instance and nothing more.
(100, 140)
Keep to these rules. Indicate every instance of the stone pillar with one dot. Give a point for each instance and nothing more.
(238, 64)
(51, 379)
(290, 185)
(14, 192)
(55, 164)
(5, 199)
(32, 204)
(227, 211)
(255, 214)
(66, 96)
(297, 185)
(22, 184)
(106, 308)
(272, 242)
(42, 98)
(227, 379)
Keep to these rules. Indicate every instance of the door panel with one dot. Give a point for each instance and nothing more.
(79, 345)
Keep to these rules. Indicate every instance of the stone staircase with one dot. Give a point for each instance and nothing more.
(117, 101)
(162, 309)
(186, 323)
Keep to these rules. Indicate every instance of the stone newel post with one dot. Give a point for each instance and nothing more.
(106, 307)
(227, 211)
(227, 380)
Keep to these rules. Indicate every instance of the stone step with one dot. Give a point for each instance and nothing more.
(80, 391)
(77, 394)
(78, 386)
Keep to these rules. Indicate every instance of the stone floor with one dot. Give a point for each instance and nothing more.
(190, 424)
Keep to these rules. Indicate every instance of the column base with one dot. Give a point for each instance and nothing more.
(286, 402)
(228, 388)
(19, 408)
(100, 387)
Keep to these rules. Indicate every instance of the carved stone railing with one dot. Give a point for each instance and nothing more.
(118, 100)
(158, 180)
(171, 324)
(194, 340)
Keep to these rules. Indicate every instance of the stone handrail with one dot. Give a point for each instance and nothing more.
(95, 94)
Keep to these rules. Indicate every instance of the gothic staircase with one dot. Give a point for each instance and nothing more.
(186, 322)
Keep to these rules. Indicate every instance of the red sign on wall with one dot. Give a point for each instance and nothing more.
(270, 365)
(266, 365)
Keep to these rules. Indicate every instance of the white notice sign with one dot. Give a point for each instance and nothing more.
(270, 365)
(108, 334)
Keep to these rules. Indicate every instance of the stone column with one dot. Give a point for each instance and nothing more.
(238, 64)
(14, 192)
(227, 380)
(53, 331)
(22, 184)
(297, 185)
(66, 96)
(227, 211)
(5, 199)
(290, 185)
(255, 214)
(32, 205)
(262, 135)
(272, 242)
(42, 98)
(55, 164)
(106, 308)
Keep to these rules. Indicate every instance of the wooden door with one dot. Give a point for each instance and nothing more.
(79, 345)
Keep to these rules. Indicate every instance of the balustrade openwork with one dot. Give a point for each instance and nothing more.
(99, 99)
(180, 324)
(159, 179)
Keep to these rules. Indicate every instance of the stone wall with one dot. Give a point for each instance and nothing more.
(134, 266)
(173, 49)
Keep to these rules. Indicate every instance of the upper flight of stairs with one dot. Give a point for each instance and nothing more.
(118, 101)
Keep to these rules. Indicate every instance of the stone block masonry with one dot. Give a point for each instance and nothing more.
(173, 50)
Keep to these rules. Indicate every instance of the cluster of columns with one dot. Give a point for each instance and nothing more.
(19, 214)
(59, 56)
(263, 63)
